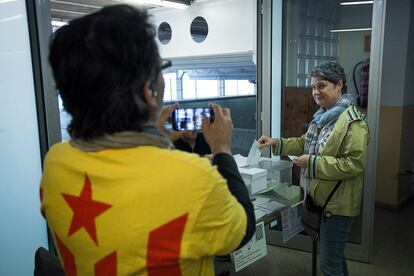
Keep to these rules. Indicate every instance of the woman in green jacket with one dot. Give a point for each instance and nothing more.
(332, 149)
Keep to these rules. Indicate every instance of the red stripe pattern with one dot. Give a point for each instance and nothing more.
(67, 256)
(164, 247)
(107, 265)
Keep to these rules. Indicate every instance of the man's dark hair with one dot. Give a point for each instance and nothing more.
(100, 63)
(331, 71)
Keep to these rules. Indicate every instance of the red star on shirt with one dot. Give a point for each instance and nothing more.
(85, 210)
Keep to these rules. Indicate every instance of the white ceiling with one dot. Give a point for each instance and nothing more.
(64, 10)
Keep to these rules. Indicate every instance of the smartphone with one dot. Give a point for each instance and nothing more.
(190, 118)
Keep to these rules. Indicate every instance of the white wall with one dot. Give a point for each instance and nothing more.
(22, 229)
(231, 23)
(355, 16)
(351, 44)
(351, 52)
(395, 52)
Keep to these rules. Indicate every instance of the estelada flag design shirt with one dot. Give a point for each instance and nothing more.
(138, 211)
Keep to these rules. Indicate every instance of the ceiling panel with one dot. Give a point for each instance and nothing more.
(64, 10)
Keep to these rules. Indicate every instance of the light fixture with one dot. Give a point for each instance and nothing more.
(6, 1)
(10, 18)
(164, 3)
(58, 23)
(350, 30)
(356, 3)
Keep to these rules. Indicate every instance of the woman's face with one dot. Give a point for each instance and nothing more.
(325, 93)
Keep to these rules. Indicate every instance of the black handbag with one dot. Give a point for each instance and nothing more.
(312, 214)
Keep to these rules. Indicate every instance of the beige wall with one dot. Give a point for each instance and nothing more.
(395, 154)
(407, 152)
(396, 131)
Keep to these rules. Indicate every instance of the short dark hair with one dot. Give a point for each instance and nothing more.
(101, 63)
(331, 71)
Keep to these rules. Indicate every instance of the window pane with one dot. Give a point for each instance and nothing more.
(170, 90)
(207, 88)
(230, 88)
(189, 91)
(245, 87)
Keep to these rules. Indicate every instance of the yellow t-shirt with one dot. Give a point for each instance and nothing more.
(138, 211)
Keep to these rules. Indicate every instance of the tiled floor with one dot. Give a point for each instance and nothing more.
(393, 251)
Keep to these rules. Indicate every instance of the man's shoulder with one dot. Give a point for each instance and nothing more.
(188, 159)
(57, 149)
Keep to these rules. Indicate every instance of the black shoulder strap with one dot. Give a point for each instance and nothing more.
(331, 194)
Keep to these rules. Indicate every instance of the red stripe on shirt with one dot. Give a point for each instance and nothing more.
(68, 258)
(164, 247)
(107, 265)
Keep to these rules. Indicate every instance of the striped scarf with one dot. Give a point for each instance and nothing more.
(320, 129)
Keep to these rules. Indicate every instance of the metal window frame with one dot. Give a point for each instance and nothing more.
(264, 70)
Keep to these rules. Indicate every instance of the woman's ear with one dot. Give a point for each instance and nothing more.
(150, 96)
(340, 84)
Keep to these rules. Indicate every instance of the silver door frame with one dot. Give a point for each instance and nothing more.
(47, 102)
(363, 251)
(40, 30)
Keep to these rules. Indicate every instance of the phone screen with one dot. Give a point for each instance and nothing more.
(190, 118)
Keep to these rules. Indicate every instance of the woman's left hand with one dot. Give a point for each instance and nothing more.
(301, 161)
(165, 115)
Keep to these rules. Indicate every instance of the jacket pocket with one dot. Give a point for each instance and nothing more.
(322, 191)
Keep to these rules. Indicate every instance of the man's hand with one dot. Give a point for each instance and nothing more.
(301, 161)
(218, 134)
(265, 141)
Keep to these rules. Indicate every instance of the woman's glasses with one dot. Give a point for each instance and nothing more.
(165, 63)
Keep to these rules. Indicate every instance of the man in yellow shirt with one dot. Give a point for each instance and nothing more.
(117, 198)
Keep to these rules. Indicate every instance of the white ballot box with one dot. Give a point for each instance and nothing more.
(254, 178)
(278, 171)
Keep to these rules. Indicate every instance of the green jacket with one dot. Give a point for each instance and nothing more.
(342, 158)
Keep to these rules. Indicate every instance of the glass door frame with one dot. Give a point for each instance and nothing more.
(269, 47)
(47, 103)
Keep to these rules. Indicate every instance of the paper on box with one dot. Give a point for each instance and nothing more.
(254, 154)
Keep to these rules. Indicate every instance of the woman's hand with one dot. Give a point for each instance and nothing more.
(301, 161)
(265, 141)
(218, 134)
(209, 157)
(165, 116)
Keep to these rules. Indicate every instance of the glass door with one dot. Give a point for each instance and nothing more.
(303, 34)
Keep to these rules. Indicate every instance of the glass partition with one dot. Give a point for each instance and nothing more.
(313, 32)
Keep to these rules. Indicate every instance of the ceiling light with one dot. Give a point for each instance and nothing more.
(6, 1)
(350, 30)
(356, 3)
(10, 18)
(163, 3)
(58, 23)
